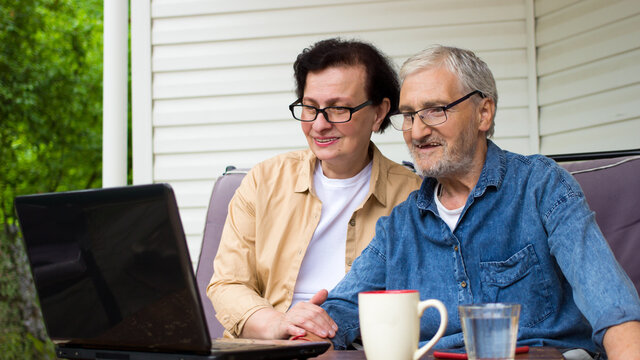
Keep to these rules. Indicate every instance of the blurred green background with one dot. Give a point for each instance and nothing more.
(50, 137)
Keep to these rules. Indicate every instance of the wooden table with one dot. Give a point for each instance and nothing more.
(537, 353)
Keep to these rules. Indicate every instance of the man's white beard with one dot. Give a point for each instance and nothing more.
(456, 160)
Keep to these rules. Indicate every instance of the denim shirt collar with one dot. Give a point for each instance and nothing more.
(493, 172)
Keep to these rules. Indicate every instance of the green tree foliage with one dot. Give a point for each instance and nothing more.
(50, 136)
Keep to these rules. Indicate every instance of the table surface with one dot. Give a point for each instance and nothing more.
(537, 353)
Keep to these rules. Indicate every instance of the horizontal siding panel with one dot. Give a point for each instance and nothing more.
(593, 78)
(194, 244)
(512, 93)
(582, 17)
(589, 111)
(544, 7)
(332, 19)
(616, 136)
(172, 8)
(193, 193)
(193, 220)
(206, 166)
(246, 136)
(600, 43)
(229, 54)
(509, 64)
(518, 145)
(512, 122)
(223, 109)
(400, 43)
(223, 82)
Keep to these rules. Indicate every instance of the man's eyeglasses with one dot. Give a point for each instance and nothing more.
(430, 116)
(333, 114)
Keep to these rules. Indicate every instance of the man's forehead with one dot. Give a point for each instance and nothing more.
(429, 87)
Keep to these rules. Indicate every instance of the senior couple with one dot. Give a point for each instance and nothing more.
(481, 225)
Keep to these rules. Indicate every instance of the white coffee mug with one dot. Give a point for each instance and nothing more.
(390, 324)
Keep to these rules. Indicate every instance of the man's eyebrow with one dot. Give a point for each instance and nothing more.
(423, 105)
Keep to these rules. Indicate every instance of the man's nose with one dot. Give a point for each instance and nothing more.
(419, 129)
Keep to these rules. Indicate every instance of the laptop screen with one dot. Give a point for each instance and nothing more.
(111, 269)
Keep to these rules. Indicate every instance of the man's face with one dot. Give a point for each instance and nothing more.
(340, 145)
(448, 149)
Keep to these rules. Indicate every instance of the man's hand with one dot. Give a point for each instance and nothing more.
(622, 342)
(302, 317)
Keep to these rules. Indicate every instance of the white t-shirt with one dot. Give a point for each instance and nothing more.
(449, 216)
(324, 262)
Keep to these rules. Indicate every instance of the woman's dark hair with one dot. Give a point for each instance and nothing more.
(382, 81)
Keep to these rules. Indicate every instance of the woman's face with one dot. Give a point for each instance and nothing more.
(341, 147)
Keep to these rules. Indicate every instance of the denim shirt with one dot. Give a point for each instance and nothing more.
(526, 235)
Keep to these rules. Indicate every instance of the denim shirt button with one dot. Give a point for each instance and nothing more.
(463, 284)
(455, 247)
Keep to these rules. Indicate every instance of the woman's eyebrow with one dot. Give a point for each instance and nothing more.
(329, 102)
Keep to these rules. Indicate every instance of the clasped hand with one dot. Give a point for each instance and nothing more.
(301, 319)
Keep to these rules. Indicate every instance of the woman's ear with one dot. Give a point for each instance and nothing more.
(381, 111)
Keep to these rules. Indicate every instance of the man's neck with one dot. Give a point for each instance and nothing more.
(455, 189)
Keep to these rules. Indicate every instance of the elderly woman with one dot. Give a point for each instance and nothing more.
(298, 220)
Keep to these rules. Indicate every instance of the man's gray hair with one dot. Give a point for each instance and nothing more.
(472, 72)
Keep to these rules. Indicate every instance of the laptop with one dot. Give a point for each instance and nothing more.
(115, 281)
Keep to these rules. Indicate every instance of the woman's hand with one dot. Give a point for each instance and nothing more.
(301, 318)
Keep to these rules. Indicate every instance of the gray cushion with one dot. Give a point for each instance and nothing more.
(223, 190)
(612, 188)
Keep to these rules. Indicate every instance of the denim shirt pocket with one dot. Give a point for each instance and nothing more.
(519, 279)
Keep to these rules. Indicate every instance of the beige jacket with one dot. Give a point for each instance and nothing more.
(271, 220)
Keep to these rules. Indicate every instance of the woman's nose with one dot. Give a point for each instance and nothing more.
(321, 122)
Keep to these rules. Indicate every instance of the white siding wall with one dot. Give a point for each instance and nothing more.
(589, 75)
(221, 76)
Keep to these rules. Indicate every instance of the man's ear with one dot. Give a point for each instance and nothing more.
(486, 110)
(381, 111)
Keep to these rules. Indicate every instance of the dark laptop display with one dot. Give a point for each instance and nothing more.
(113, 273)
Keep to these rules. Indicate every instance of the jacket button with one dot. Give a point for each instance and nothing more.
(463, 284)
(455, 248)
(352, 222)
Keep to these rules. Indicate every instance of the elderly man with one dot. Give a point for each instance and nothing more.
(488, 225)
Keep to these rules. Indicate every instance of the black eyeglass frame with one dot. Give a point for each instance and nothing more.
(443, 108)
(324, 112)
